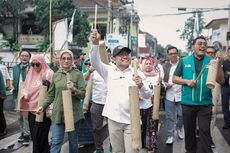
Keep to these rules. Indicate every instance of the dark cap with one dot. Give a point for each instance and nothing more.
(119, 49)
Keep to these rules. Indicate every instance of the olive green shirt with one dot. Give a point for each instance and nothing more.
(58, 84)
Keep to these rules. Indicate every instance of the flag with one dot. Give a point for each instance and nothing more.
(70, 30)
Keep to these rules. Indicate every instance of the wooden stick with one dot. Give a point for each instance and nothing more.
(215, 95)
(95, 18)
(68, 108)
(156, 101)
(41, 97)
(135, 117)
(24, 110)
(135, 113)
(212, 71)
(201, 72)
(88, 93)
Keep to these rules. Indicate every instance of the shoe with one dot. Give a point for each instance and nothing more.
(180, 133)
(3, 133)
(26, 141)
(21, 138)
(213, 145)
(197, 133)
(110, 148)
(99, 151)
(226, 126)
(169, 141)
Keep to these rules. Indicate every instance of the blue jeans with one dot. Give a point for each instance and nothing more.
(173, 109)
(225, 93)
(58, 132)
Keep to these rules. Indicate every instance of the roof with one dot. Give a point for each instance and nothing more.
(216, 22)
(91, 3)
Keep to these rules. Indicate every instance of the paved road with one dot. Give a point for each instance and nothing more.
(9, 143)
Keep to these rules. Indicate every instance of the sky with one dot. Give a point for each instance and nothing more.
(164, 27)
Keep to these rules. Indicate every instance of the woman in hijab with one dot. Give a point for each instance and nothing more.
(76, 85)
(39, 74)
(149, 126)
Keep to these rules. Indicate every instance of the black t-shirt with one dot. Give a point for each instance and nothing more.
(198, 66)
(226, 68)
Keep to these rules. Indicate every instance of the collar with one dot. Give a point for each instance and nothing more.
(125, 70)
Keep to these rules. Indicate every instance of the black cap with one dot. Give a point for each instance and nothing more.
(119, 49)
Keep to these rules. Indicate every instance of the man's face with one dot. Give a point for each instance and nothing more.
(211, 52)
(122, 59)
(173, 55)
(24, 57)
(199, 47)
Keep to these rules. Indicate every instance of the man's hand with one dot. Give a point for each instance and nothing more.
(191, 83)
(138, 81)
(95, 37)
(168, 85)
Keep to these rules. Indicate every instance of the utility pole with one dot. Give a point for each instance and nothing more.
(109, 17)
(50, 32)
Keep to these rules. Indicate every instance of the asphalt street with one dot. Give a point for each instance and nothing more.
(9, 142)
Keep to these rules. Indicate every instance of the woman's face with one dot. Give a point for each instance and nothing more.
(66, 61)
(36, 65)
(148, 66)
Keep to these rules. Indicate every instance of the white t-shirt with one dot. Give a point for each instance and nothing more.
(5, 73)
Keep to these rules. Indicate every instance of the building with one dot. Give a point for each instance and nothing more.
(218, 33)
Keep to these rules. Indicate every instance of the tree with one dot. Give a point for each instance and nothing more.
(63, 9)
(13, 11)
(160, 49)
(188, 31)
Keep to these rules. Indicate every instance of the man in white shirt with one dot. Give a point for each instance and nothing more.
(118, 80)
(173, 97)
(6, 75)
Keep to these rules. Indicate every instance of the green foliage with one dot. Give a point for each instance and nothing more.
(63, 9)
(43, 45)
(16, 47)
(161, 53)
(188, 30)
(12, 9)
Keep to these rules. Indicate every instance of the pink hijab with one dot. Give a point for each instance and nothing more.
(33, 82)
(143, 67)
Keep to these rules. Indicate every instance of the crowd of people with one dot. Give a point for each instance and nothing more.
(188, 102)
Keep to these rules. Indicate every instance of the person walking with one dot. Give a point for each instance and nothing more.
(225, 91)
(19, 74)
(76, 85)
(191, 73)
(149, 127)
(173, 108)
(2, 98)
(118, 79)
(38, 75)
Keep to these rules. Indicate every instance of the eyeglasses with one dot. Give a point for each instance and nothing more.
(66, 58)
(173, 53)
(211, 52)
(87, 64)
(35, 64)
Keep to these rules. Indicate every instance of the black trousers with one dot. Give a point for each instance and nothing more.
(39, 133)
(100, 132)
(203, 114)
(2, 117)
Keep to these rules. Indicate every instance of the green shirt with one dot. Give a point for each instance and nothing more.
(55, 95)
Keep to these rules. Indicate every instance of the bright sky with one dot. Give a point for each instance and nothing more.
(164, 27)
